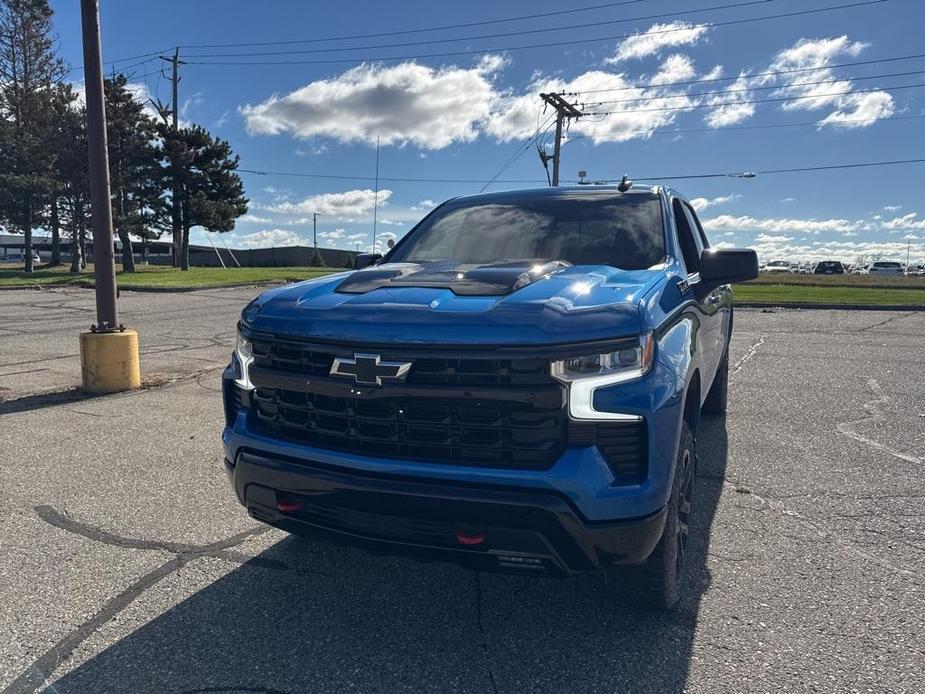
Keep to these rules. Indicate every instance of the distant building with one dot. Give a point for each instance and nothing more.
(159, 253)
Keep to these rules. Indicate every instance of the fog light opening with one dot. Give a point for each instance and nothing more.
(469, 537)
(288, 504)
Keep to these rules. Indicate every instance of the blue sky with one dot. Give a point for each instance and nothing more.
(463, 116)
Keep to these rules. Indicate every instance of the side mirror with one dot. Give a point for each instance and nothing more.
(727, 266)
(365, 260)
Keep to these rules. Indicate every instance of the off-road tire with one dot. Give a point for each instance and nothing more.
(659, 583)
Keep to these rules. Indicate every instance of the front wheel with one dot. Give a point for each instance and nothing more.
(660, 582)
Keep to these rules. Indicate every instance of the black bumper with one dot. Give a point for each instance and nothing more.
(525, 532)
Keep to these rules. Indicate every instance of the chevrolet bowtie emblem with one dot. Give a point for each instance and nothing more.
(369, 369)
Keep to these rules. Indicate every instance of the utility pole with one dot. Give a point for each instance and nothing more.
(175, 212)
(109, 352)
(104, 265)
(315, 230)
(564, 112)
(376, 195)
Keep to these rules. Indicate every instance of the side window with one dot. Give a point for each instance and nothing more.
(687, 237)
(703, 237)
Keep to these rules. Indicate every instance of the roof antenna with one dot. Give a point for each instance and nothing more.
(625, 183)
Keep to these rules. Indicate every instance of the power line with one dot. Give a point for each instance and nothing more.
(782, 15)
(299, 174)
(770, 73)
(522, 32)
(814, 124)
(738, 174)
(414, 31)
(539, 132)
(123, 60)
(754, 89)
(752, 101)
(769, 172)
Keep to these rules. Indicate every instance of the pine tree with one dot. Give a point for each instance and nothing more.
(211, 192)
(136, 177)
(29, 72)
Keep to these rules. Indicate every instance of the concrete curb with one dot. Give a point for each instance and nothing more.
(829, 307)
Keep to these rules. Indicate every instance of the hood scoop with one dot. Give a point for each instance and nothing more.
(490, 279)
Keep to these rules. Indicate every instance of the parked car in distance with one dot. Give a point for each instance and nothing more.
(886, 267)
(915, 270)
(20, 258)
(829, 267)
(778, 266)
(516, 386)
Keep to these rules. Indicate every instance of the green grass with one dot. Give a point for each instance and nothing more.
(159, 277)
(783, 294)
(874, 281)
(779, 290)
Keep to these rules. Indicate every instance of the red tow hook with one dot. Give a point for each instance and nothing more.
(466, 537)
(288, 504)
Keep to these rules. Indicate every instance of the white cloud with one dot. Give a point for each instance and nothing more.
(351, 202)
(892, 208)
(819, 54)
(254, 219)
(700, 204)
(515, 117)
(909, 221)
(423, 206)
(407, 103)
(657, 37)
(334, 234)
(725, 221)
(267, 238)
(768, 238)
(860, 110)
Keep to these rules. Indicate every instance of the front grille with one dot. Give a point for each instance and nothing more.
(294, 357)
(474, 432)
(624, 445)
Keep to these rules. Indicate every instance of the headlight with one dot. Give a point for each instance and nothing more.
(626, 363)
(244, 353)
(585, 374)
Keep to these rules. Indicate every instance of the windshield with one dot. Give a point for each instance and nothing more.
(622, 230)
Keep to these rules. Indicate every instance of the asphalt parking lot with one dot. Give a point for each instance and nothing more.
(127, 566)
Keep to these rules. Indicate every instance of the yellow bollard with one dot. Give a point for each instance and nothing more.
(109, 361)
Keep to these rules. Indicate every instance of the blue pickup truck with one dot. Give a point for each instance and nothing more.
(516, 386)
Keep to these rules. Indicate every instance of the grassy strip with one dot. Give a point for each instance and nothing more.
(781, 295)
(874, 281)
(159, 277)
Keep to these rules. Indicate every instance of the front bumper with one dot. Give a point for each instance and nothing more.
(523, 531)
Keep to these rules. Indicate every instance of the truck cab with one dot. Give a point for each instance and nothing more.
(515, 386)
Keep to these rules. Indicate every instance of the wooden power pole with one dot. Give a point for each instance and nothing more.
(564, 112)
(104, 267)
(175, 212)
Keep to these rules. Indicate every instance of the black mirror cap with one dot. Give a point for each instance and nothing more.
(727, 266)
(365, 260)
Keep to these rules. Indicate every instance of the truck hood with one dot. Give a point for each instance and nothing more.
(500, 304)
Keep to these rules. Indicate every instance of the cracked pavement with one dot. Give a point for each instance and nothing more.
(126, 564)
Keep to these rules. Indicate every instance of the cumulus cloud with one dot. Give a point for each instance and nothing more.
(909, 221)
(700, 204)
(333, 234)
(350, 202)
(725, 221)
(657, 37)
(629, 118)
(423, 206)
(254, 219)
(801, 68)
(267, 238)
(407, 103)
